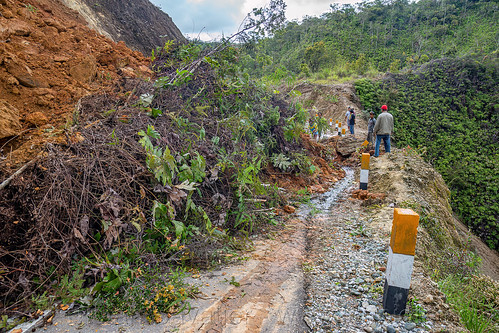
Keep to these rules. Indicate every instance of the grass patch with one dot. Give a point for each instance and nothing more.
(475, 299)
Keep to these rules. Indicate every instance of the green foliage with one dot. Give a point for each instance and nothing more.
(474, 298)
(302, 163)
(263, 21)
(416, 313)
(322, 126)
(361, 65)
(367, 92)
(389, 35)
(148, 292)
(314, 55)
(394, 66)
(280, 161)
(31, 8)
(7, 324)
(160, 162)
(450, 108)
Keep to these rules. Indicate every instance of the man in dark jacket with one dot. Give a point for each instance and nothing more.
(370, 127)
(351, 121)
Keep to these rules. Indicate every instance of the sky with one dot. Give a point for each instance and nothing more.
(210, 19)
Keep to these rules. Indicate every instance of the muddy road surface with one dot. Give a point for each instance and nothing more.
(265, 292)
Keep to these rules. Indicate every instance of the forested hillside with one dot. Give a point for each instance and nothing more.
(379, 36)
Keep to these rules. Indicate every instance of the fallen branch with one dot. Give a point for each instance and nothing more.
(255, 200)
(17, 173)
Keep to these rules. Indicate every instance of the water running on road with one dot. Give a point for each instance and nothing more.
(324, 201)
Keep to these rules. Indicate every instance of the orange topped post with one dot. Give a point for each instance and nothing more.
(404, 231)
(364, 171)
(400, 260)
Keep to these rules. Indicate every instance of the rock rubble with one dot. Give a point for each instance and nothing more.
(346, 276)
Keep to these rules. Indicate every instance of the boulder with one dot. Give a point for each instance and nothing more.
(347, 145)
(9, 120)
(24, 74)
(85, 70)
(36, 119)
(14, 27)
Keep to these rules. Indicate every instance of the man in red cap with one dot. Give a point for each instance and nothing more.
(383, 129)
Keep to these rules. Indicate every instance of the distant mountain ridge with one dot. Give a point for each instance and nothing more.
(140, 24)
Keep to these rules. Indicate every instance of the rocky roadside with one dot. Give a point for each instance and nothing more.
(345, 275)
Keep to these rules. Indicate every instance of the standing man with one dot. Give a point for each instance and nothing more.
(347, 117)
(351, 122)
(370, 127)
(383, 129)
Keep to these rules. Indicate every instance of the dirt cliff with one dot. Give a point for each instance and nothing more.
(140, 24)
(49, 59)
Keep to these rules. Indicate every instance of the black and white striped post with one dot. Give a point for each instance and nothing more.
(400, 260)
(364, 171)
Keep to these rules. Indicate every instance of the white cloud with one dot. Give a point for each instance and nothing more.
(217, 17)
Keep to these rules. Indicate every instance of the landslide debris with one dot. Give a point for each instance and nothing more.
(140, 24)
(49, 60)
(331, 100)
(173, 165)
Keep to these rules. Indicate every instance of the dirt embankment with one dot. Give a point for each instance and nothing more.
(49, 59)
(331, 100)
(409, 182)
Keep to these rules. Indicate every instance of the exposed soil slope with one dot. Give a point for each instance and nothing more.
(140, 24)
(331, 100)
(49, 59)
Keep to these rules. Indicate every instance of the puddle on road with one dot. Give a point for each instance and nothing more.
(324, 201)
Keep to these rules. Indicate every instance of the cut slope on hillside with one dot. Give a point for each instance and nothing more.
(140, 24)
(49, 60)
(412, 183)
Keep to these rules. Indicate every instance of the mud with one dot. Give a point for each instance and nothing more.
(264, 293)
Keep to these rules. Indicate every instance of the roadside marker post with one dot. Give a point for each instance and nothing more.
(400, 260)
(364, 171)
(339, 129)
(343, 131)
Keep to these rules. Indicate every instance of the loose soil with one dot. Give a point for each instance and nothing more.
(49, 60)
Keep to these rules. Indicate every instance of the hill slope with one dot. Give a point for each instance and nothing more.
(140, 24)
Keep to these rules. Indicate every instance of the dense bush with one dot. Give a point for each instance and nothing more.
(451, 108)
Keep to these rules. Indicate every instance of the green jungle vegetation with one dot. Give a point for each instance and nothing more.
(375, 37)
